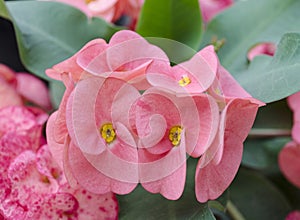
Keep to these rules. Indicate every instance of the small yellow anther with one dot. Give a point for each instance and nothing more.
(89, 1)
(175, 135)
(108, 132)
(185, 80)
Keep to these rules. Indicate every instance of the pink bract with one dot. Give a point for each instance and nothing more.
(210, 8)
(294, 215)
(289, 162)
(261, 49)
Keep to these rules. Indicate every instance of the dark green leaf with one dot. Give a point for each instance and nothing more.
(257, 198)
(179, 20)
(143, 205)
(49, 32)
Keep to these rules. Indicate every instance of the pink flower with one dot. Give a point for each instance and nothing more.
(261, 49)
(191, 77)
(32, 185)
(209, 8)
(288, 158)
(168, 127)
(108, 10)
(219, 164)
(17, 88)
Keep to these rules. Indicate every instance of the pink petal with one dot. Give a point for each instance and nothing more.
(33, 89)
(213, 179)
(7, 74)
(210, 8)
(168, 181)
(289, 162)
(92, 179)
(261, 49)
(70, 65)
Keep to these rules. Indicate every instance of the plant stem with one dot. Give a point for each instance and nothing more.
(268, 132)
(234, 212)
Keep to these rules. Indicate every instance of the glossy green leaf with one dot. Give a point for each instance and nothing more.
(141, 204)
(179, 20)
(49, 32)
(271, 79)
(3, 10)
(255, 197)
(247, 23)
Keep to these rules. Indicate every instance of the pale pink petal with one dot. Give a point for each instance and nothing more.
(33, 89)
(213, 179)
(168, 181)
(55, 147)
(261, 49)
(289, 162)
(208, 111)
(91, 179)
(70, 65)
(210, 8)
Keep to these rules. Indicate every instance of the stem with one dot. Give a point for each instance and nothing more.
(234, 212)
(268, 132)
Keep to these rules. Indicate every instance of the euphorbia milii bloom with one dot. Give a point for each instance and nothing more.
(168, 127)
(219, 164)
(191, 77)
(210, 8)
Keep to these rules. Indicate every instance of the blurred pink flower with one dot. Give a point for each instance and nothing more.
(108, 10)
(219, 164)
(209, 8)
(32, 185)
(289, 156)
(17, 88)
(294, 215)
(261, 49)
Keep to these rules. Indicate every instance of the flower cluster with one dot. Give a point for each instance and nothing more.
(129, 117)
(32, 185)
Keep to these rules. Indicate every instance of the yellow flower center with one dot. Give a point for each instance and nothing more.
(108, 132)
(89, 1)
(185, 80)
(175, 135)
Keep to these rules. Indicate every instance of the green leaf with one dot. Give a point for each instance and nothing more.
(143, 205)
(57, 90)
(3, 10)
(255, 197)
(179, 20)
(49, 32)
(247, 23)
(271, 79)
